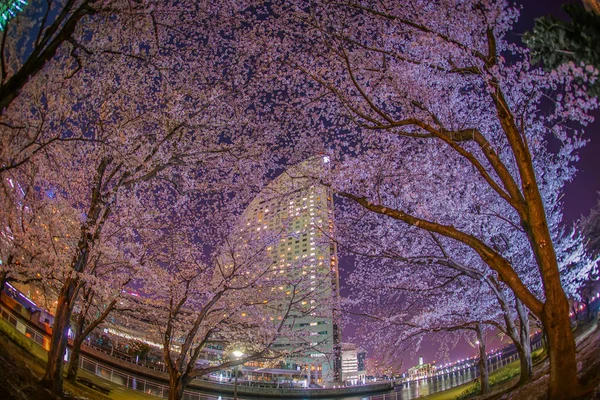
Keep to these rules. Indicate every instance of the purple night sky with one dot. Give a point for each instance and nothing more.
(580, 195)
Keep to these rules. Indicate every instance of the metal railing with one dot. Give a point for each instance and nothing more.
(26, 330)
(148, 386)
(113, 375)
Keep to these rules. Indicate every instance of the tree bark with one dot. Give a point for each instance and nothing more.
(561, 349)
(90, 231)
(74, 360)
(555, 311)
(53, 377)
(3, 275)
(588, 312)
(483, 363)
(525, 344)
(574, 311)
(177, 384)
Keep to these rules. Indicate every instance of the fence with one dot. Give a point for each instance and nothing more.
(85, 363)
(151, 387)
(26, 330)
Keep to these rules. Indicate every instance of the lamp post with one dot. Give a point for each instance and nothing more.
(237, 354)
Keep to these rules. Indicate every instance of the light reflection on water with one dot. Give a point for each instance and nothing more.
(407, 391)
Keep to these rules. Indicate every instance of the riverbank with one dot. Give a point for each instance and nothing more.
(504, 380)
(22, 365)
(21, 353)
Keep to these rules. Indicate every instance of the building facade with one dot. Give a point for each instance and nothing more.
(299, 214)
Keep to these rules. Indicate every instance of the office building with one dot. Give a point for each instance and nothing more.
(299, 213)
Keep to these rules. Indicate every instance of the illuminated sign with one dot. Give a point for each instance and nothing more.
(9, 10)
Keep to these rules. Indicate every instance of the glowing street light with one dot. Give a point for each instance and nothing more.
(237, 354)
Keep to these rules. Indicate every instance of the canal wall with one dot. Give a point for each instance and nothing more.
(311, 393)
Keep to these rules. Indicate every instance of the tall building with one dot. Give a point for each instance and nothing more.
(300, 214)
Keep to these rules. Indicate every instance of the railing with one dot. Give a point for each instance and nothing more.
(103, 371)
(134, 382)
(151, 387)
(25, 329)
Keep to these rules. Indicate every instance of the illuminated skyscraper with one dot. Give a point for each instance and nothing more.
(300, 212)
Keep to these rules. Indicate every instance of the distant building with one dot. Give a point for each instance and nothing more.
(421, 371)
(361, 356)
(353, 364)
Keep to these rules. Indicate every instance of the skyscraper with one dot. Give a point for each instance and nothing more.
(302, 212)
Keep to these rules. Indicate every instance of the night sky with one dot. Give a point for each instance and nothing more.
(580, 195)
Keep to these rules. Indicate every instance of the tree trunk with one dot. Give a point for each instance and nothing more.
(563, 382)
(588, 313)
(74, 360)
(521, 338)
(3, 275)
(90, 231)
(177, 385)
(525, 347)
(53, 377)
(555, 311)
(483, 363)
(561, 349)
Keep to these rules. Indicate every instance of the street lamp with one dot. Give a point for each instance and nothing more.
(237, 354)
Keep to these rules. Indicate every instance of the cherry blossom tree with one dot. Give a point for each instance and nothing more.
(235, 299)
(57, 36)
(105, 295)
(590, 229)
(46, 27)
(47, 35)
(143, 123)
(410, 299)
(37, 232)
(455, 110)
(373, 237)
(156, 118)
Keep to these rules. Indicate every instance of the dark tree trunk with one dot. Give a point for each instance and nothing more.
(3, 276)
(561, 348)
(74, 361)
(53, 377)
(483, 362)
(90, 231)
(519, 337)
(177, 384)
(588, 312)
(525, 344)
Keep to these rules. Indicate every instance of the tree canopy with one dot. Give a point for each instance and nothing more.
(554, 42)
